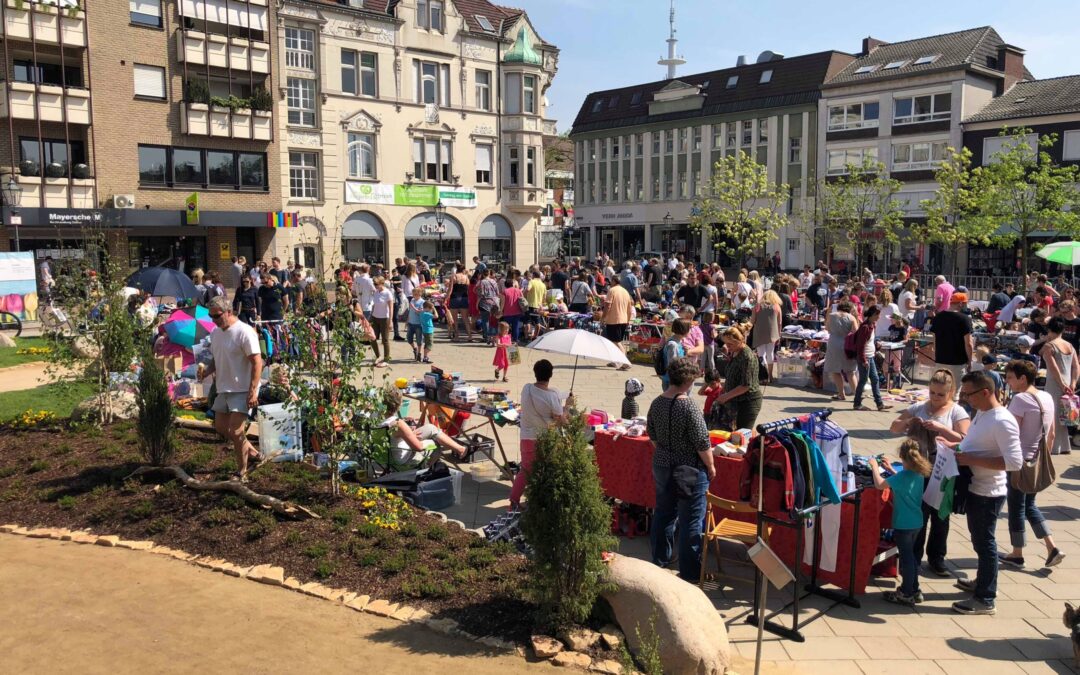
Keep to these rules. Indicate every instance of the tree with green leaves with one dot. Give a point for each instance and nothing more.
(952, 214)
(1022, 190)
(741, 207)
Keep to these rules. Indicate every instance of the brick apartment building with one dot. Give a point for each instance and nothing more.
(156, 100)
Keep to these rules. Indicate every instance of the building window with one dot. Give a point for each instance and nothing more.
(639, 187)
(25, 70)
(697, 139)
(529, 102)
(853, 116)
(732, 136)
(361, 156)
(432, 160)
(747, 132)
(429, 14)
(794, 150)
(839, 160)
(669, 142)
(56, 152)
(483, 89)
(603, 149)
(221, 168)
(763, 130)
(655, 143)
(299, 48)
(928, 108)
(615, 143)
(153, 163)
(717, 137)
(530, 166)
(145, 12)
(304, 175)
(432, 82)
(515, 166)
(592, 149)
(639, 145)
(766, 77)
(149, 81)
(996, 144)
(300, 99)
(1071, 145)
(484, 155)
(161, 166)
(669, 186)
(917, 156)
(732, 82)
(683, 141)
(188, 167)
(359, 73)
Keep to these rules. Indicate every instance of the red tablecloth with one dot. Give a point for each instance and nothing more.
(625, 466)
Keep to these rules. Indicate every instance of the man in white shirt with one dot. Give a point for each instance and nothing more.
(806, 278)
(237, 368)
(364, 290)
(990, 448)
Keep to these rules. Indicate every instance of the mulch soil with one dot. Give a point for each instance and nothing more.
(76, 478)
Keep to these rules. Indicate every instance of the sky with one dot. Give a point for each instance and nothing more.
(615, 43)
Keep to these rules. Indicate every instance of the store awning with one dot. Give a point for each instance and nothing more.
(363, 225)
(424, 226)
(495, 227)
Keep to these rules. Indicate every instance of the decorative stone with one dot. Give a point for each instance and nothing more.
(206, 562)
(689, 630)
(460, 524)
(444, 626)
(611, 636)
(403, 614)
(268, 574)
(496, 643)
(39, 533)
(607, 666)
(382, 608)
(136, 545)
(579, 639)
(545, 647)
(311, 588)
(107, 540)
(420, 616)
(238, 571)
(341, 595)
(292, 583)
(83, 538)
(572, 660)
(437, 514)
(346, 599)
(479, 532)
(124, 407)
(23, 531)
(7, 529)
(359, 602)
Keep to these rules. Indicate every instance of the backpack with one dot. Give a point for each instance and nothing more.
(211, 292)
(659, 361)
(849, 345)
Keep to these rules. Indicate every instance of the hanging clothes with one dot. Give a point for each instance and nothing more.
(798, 479)
(834, 446)
(779, 492)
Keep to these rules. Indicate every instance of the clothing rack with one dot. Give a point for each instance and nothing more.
(759, 617)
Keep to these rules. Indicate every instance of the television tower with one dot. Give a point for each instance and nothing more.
(672, 61)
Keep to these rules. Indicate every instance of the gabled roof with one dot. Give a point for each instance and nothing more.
(795, 81)
(1036, 98)
(502, 19)
(960, 50)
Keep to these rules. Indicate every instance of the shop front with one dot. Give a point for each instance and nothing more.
(363, 238)
(177, 249)
(496, 240)
(676, 238)
(435, 242)
(621, 243)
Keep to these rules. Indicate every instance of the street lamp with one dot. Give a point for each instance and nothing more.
(13, 197)
(440, 216)
(668, 220)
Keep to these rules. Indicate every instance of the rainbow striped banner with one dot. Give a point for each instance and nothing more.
(282, 219)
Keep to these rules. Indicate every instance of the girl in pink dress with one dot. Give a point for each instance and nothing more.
(502, 351)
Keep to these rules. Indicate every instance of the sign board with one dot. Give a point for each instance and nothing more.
(225, 252)
(18, 284)
(192, 205)
(409, 195)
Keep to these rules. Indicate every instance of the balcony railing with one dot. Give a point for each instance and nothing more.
(201, 119)
(45, 102)
(526, 199)
(49, 23)
(300, 59)
(54, 192)
(200, 49)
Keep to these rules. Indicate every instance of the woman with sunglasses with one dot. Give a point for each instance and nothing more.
(246, 301)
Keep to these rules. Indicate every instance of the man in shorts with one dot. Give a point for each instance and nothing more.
(237, 367)
(616, 315)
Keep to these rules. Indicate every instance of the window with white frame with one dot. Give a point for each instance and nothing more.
(655, 143)
(513, 95)
(683, 142)
(300, 100)
(514, 166)
(840, 160)
(359, 73)
(299, 48)
(530, 166)
(854, 116)
(917, 156)
(483, 89)
(747, 132)
(145, 12)
(697, 139)
(432, 82)
(1071, 145)
(669, 141)
(639, 145)
(603, 148)
(361, 150)
(529, 95)
(615, 145)
(429, 14)
(732, 136)
(763, 130)
(717, 137)
(484, 155)
(996, 144)
(924, 108)
(432, 160)
(304, 175)
(149, 81)
(639, 187)
(593, 145)
(794, 150)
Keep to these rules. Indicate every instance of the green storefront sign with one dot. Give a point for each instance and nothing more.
(416, 195)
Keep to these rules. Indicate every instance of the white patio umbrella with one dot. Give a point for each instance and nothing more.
(579, 344)
(1061, 252)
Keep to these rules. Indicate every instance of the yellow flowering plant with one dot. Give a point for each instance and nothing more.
(34, 351)
(381, 508)
(32, 419)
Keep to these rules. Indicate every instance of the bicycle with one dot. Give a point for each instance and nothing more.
(55, 320)
(10, 325)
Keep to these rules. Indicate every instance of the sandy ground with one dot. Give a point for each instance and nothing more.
(73, 608)
(25, 376)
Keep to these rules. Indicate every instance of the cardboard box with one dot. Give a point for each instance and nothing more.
(170, 364)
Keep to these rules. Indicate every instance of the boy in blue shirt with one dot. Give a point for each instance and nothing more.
(427, 327)
(413, 335)
(907, 520)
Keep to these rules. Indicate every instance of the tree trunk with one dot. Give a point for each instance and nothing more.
(1023, 258)
(286, 509)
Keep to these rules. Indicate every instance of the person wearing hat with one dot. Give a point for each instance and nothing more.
(633, 389)
(953, 341)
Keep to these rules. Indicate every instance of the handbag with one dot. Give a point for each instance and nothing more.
(1038, 473)
(684, 476)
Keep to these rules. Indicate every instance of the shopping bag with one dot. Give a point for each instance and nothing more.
(1069, 410)
(1038, 473)
(515, 354)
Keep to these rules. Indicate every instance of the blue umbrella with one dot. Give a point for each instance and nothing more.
(163, 282)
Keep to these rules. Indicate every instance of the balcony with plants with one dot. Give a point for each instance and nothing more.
(45, 21)
(229, 116)
(51, 170)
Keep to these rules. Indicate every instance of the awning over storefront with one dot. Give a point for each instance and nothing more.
(363, 225)
(114, 218)
(424, 226)
(495, 227)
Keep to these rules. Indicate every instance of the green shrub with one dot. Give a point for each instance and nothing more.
(393, 564)
(159, 525)
(341, 518)
(325, 570)
(218, 517)
(102, 514)
(232, 502)
(422, 587)
(368, 530)
(317, 550)
(262, 523)
(649, 648)
(465, 576)
(568, 525)
(409, 530)
(156, 433)
(7, 471)
(64, 449)
(481, 557)
(37, 465)
(198, 460)
(100, 491)
(67, 502)
(294, 538)
(437, 532)
(141, 510)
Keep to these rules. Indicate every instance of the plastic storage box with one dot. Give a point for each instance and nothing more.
(279, 431)
(792, 372)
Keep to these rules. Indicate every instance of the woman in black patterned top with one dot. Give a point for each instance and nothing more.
(682, 469)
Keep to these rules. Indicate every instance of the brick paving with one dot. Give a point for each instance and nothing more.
(1026, 635)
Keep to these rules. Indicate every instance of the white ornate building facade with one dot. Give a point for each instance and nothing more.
(388, 109)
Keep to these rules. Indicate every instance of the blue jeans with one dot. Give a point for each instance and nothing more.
(1022, 508)
(868, 371)
(909, 566)
(934, 535)
(413, 335)
(690, 514)
(485, 324)
(515, 326)
(982, 515)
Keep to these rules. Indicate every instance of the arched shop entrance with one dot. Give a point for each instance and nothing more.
(363, 238)
(425, 237)
(496, 240)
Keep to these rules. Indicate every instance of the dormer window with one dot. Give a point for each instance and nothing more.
(484, 23)
(923, 60)
(732, 81)
(597, 105)
(766, 77)
(893, 65)
(613, 103)
(429, 14)
(863, 70)
(636, 98)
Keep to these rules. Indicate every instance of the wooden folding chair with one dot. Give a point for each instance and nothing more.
(727, 528)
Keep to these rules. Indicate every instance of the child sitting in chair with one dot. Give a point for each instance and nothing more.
(411, 445)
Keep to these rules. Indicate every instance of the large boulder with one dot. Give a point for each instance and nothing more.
(123, 404)
(692, 636)
(85, 348)
(6, 341)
